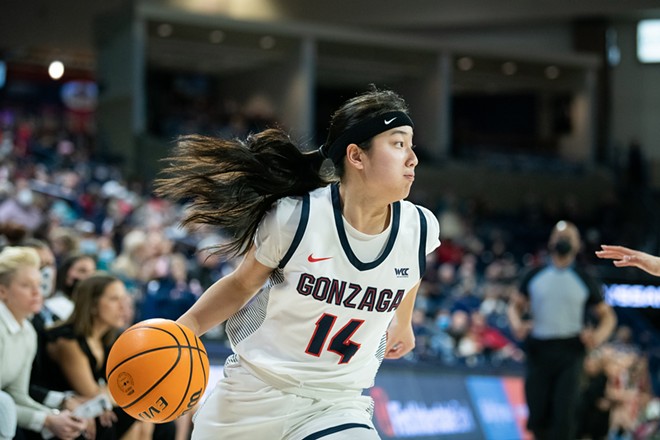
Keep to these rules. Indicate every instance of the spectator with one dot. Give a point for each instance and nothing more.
(624, 393)
(169, 295)
(20, 297)
(64, 242)
(593, 414)
(41, 320)
(491, 342)
(70, 272)
(21, 208)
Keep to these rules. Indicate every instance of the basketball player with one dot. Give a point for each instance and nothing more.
(329, 271)
(625, 257)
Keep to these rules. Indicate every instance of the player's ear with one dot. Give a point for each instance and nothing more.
(354, 156)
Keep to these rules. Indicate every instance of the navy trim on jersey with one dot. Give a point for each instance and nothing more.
(334, 429)
(422, 242)
(339, 223)
(300, 231)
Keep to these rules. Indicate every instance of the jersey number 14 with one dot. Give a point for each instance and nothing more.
(340, 343)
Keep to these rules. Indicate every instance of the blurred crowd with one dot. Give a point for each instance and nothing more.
(53, 188)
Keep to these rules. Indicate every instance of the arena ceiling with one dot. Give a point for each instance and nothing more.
(65, 29)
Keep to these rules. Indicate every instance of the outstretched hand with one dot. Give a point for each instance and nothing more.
(625, 257)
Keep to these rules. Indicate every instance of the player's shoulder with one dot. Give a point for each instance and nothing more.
(415, 209)
(290, 210)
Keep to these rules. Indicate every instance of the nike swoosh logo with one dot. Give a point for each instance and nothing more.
(390, 121)
(311, 259)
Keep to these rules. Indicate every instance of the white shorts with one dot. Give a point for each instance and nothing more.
(244, 407)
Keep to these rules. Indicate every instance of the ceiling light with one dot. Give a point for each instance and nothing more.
(267, 42)
(56, 69)
(509, 68)
(164, 30)
(465, 63)
(216, 36)
(552, 72)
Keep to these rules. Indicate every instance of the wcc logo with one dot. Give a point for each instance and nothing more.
(401, 272)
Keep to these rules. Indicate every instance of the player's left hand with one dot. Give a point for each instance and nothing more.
(400, 341)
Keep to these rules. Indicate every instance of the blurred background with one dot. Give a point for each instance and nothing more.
(526, 113)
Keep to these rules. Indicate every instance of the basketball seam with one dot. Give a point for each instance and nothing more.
(190, 373)
(151, 350)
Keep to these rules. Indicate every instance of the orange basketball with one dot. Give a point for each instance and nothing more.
(157, 370)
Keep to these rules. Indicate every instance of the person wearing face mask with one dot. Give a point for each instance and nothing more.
(19, 299)
(21, 209)
(73, 269)
(556, 298)
(41, 321)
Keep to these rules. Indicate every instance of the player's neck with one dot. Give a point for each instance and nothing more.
(364, 213)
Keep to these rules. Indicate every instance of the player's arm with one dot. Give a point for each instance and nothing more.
(227, 295)
(400, 336)
(625, 257)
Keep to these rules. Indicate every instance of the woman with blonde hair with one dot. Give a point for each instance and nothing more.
(20, 298)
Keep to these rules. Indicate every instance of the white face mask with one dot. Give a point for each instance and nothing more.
(24, 197)
(47, 280)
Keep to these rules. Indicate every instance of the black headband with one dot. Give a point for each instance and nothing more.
(364, 130)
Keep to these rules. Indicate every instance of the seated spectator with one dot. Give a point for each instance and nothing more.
(19, 298)
(129, 265)
(65, 242)
(72, 270)
(45, 318)
(465, 348)
(170, 294)
(209, 266)
(491, 342)
(627, 389)
(442, 342)
(593, 412)
(21, 208)
(422, 332)
(79, 347)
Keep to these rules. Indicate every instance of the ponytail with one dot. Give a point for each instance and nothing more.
(231, 184)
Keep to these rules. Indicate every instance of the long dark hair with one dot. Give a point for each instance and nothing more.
(231, 184)
(86, 296)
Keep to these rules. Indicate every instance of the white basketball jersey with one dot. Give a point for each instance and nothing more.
(321, 321)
